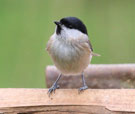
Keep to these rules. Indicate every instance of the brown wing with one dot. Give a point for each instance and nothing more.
(84, 39)
(94, 54)
(90, 45)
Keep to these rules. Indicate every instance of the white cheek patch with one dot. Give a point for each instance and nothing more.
(70, 33)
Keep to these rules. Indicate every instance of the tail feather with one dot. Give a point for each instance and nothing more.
(95, 54)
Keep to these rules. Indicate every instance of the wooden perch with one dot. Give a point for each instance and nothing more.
(97, 76)
(67, 101)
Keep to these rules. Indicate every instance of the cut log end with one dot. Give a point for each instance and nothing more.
(97, 76)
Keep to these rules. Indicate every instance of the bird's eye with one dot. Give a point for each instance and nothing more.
(70, 26)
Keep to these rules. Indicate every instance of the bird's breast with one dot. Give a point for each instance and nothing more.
(69, 58)
(65, 51)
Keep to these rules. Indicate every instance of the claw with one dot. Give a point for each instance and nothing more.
(81, 89)
(54, 86)
(52, 89)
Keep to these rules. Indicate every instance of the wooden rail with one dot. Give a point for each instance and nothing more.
(67, 101)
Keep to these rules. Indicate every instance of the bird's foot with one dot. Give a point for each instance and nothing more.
(81, 89)
(53, 88)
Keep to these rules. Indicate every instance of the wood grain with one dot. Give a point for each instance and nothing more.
(65, 101)
(101, 76)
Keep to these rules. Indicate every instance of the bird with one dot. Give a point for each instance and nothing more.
(70, 49)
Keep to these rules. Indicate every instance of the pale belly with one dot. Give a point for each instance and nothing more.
(69, 59)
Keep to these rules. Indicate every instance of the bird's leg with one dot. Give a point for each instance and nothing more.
(84, 83)
(54, 86)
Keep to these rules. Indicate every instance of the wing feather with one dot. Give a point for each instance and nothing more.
(86, 40)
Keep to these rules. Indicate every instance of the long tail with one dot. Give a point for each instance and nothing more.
(95, 54)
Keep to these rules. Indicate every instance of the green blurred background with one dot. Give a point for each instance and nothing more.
(26, 25)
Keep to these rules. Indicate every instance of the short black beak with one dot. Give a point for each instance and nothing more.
(57, 23)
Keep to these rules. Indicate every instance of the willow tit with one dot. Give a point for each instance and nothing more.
(70, 49)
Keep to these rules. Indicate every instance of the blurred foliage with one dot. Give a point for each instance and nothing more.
(26, 25)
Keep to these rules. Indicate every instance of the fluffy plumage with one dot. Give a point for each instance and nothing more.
(70, 51)
(69, 46)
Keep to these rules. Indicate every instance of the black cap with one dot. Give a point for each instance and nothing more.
(74, 23)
